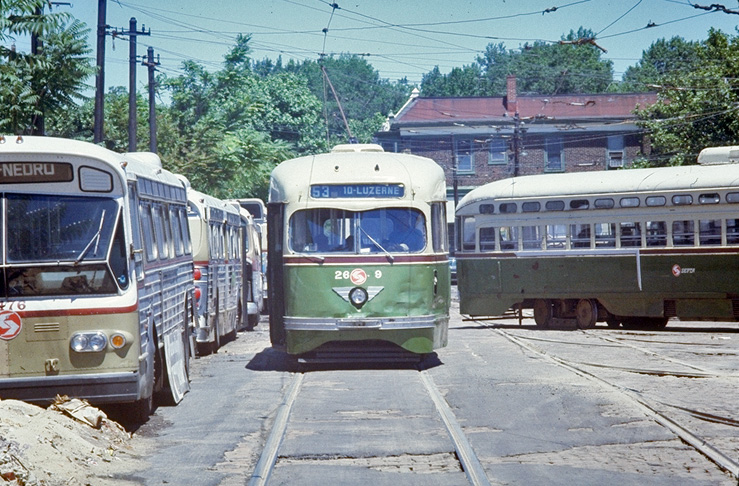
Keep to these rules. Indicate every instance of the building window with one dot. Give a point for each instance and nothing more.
(498, 154)
(615, 151)
(555, 155)
(465, 157)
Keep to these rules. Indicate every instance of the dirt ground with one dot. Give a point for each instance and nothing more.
(70, 444)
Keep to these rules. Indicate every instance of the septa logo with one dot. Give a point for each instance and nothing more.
(10, 325)
(358, 276)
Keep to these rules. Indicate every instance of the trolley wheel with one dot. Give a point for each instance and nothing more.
(613, 322)
(657, 322)
(586, 313)
(543, 312)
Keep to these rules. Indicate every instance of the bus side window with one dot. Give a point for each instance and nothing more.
(683, 233)
(732, 231)
(630, 234)
(149, 232)
(487, 239)
(710, 232)
(179, 246)
(656, 233)
(580, 235)
(118, 257)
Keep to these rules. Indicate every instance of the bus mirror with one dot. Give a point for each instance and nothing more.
(135, 252)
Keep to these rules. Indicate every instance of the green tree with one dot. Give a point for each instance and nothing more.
(358, 86)
(662, 58)
(696, 108)
(226, 130)
(38, 84)
(573, 65)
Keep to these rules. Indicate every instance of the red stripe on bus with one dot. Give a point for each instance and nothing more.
(79, 312)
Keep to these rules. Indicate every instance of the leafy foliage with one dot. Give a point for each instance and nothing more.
(697, 107)
(50, 79)
(571, 66)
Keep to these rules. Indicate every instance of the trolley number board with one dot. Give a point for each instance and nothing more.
(340, 191)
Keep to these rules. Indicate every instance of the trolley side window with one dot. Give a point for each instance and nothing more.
(440, 238)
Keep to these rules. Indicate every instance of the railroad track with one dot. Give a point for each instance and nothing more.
(460, 451)
(682, 419)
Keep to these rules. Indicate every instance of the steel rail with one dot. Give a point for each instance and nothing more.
(267, 459)
(717, 457)
(470, 463)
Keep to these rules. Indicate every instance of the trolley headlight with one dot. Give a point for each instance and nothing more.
(358, 296)
(88, 342)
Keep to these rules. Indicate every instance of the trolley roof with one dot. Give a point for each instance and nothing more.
(663, 179)
(358, 164)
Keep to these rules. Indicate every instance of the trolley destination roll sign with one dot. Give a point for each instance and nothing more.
(340, 191)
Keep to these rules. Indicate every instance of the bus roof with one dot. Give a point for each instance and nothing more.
(422, 177)
(573, 184)
(129, 165)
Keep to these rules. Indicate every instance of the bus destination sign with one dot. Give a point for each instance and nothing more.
(339, 191)
(27, 172)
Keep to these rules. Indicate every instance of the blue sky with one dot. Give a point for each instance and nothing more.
(401, 38)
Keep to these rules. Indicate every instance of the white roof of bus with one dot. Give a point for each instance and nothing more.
(144, 163)
(203, 200)
(420, 175)
(574, 184)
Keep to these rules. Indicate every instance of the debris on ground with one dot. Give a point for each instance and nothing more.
(70, 443)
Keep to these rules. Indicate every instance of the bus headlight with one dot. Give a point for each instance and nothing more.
(358, 296)
(88, 342)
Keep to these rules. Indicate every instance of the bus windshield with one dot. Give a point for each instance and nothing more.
(326, 230)
(58, 228)
(58, 245)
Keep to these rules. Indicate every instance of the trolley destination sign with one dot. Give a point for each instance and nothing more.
(340, 191)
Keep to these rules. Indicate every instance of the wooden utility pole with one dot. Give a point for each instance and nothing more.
(132, 34)
(151, 65)
(100, 77)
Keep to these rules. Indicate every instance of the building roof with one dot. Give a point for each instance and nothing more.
(421, 111)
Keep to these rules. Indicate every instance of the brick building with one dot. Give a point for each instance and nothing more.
(492, 138)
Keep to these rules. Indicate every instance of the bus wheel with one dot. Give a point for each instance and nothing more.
(543, 312)
(138, 412)
(586, 313)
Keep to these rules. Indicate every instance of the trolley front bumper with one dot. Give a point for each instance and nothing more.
(418, 334)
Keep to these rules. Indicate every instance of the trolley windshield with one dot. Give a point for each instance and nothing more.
(63, 245)
(327, 230)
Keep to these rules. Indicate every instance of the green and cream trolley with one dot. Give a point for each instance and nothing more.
(629, 247)
(358, 250)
